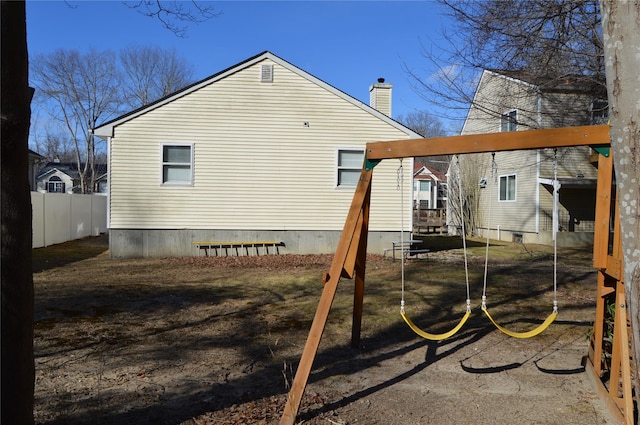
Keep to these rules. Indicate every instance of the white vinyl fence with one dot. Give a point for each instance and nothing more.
(61, 217)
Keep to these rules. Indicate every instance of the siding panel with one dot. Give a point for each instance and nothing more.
(257, 165)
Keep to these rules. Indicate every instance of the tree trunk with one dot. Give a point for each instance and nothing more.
(17, 281)
(621, 31)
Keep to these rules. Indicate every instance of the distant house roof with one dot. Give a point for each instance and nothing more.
(106, 129)
(422, 172)
(69, 168)
(567, 83)
(35, 154)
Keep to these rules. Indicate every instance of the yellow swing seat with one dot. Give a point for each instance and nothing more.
(435, 337)
(533, 332)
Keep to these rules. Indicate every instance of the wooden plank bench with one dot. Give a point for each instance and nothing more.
(416, 252)
(240, 248)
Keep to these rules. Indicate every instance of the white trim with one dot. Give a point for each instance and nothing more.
(336, 167)
(191, 165)
(513, 80)
(108, 223)
(515, 191)
(538, 158)
(507, 113)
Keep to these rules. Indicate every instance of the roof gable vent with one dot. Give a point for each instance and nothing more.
(266, 74)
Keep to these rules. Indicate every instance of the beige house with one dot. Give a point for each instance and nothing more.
(515, 194)
(259, 151)
(429, 187)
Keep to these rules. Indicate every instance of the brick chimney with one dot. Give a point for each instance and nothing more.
(380, 96)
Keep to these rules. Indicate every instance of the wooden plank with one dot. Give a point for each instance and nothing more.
(326, 299)
(603, 211)
(348, 269)
(360, 269)
(623, 340)
(490, 142)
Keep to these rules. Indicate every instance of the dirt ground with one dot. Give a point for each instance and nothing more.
(217, 340)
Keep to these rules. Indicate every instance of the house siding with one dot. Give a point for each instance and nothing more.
(264, 161)
(529, 215)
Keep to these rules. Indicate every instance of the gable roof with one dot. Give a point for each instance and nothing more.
(34, 154)
(106, 129)
(68, 168)
(423, 172)
(566, 83)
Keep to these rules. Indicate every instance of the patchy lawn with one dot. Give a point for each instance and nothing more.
(216, 340)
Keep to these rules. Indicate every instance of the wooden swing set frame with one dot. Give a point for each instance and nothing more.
(350, 258)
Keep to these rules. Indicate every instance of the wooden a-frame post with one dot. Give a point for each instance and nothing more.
(350, 256)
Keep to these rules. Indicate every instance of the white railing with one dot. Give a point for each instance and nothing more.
(61, 217)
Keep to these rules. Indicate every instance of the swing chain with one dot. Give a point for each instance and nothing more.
(399, 177)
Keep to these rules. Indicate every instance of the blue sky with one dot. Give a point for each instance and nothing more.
(346, 44)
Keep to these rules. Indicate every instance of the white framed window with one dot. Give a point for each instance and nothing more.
(599, 112)
(507, 188)
(348, 166)
(424, 186)
(55, 185)
(177, 164)
(509, 121)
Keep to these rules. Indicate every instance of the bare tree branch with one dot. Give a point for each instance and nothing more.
(171, 13)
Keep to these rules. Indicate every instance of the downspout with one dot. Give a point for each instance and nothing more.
(411, 194)
(538, 156)
(109, 186)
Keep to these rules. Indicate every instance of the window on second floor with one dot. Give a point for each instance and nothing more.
(55, 185)
(599, 112)
(348, 167)
(425, 186)
(509, 121)
(177, 164)
(507, 188)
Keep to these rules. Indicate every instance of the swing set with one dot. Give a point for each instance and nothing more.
(350, 257)
(527, 334)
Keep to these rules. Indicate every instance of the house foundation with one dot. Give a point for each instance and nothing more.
(131, 243)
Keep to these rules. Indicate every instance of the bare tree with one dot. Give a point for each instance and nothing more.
(427, 125)
(55, 144)
(463, 201)
(82, 90)
(151, 73)
(621, 23)
(543, 42)
(423, 123)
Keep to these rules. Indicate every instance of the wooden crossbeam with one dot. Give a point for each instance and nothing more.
(593, 135)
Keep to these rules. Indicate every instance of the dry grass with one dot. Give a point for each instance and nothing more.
(162, 340)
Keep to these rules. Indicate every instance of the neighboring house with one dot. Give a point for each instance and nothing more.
(63, 177)
(429, 187)
(516, 202)
(35, 161)
(259, 151)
